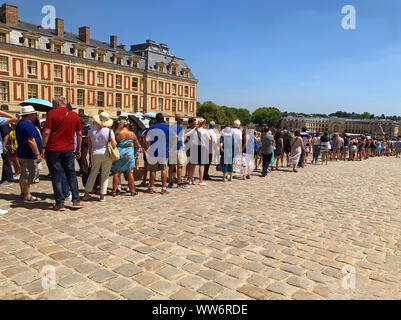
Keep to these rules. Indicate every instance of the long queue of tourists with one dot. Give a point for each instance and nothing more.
(115, 148)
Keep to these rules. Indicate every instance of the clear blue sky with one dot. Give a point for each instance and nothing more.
(292, 54)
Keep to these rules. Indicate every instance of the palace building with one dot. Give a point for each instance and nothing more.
(92, 75)
(375, 127)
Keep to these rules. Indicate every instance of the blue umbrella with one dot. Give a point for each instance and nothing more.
(38, 104)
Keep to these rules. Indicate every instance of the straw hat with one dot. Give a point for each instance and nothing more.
(27, 110)
(103, 119)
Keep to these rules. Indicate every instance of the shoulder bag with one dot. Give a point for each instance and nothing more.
(114, 154)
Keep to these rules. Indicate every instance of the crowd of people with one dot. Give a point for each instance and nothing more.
(107, 148)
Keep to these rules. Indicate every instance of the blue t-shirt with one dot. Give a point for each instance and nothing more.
(179, 134)
(26, 130)
(163, 128)
(3, 121)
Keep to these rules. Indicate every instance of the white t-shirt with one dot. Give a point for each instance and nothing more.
(100, 140)
(213, 141)
(316, 141)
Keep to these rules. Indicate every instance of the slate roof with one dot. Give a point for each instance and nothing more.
(149, 53)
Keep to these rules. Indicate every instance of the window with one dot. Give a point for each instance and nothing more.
(81, 75)
(135, 64)
(32, 67)
(4, 91)
(174, 88)
(135, 83)
(185, 73)
(174, 105)
(135, 103)
(118, 100)
(58, 71)
(160, 105)
(32, 91)
(186, 91)
(100, 99)
(161, 85)
(160, 68)
(80, 97)
(101, 57)
(80, 53)
(185, 107)
(119, 80)
(31, 43)
(118, 61)
(57, 48)
(3, 37)
(3, 63)
(58, 91)
(100, 77)
(174, 70)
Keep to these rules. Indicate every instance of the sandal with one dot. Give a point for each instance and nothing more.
(58, 207)
(113, 194)
(32, 199)
(134, 193)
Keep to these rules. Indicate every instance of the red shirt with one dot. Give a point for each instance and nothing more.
(62, 139)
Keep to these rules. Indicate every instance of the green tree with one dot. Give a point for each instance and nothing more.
(268, 116)
(208, 111)
(243, 115)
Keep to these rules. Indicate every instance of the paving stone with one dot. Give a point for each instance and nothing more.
(210, 289)
(254, 292)
(318, 277)
(164, 287)
(196, 258)
(137, 293)
(191, 281)
(293, 269)
(101, 276)
(63, 255)
(276, 274)
(70, 280)
(184, 294)
(26, 277)
(229, 282)
(176, 262)
(128, 270)
(239, 273)
(102, 295)
(305, 295)
(169, 273)
(231, 295)
(82, 290)
(300, 282)
(119, 284)
(281, 288)
(146, 278)
(218, 265)
(209, 274)
(86, 267)
(258, 281)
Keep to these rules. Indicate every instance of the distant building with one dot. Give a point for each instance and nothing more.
(92, 75)
(375, 127)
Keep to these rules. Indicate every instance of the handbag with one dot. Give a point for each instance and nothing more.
(114, 154)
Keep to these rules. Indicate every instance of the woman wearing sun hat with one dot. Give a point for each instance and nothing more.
(98, 138)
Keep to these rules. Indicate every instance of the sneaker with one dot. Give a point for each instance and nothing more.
(165, 191)
(171, 184)
(78, 205)
(190, 182)
(119, 188)
(230, 179)
(58, 207)
(70, 197)
(248, 177)
(5, 184)
(16, 176)
(85, 198)
(181, 185)
(202, 183)
(3, 211)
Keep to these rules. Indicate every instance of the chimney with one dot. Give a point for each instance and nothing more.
(84, 34)
(113, 42)
(122, 46)
(163, 45)
(150, 41)
(59, 27)
(9, 14)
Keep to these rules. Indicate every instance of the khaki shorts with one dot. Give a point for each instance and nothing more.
(157, 166)
(28, 169)
(178, 158)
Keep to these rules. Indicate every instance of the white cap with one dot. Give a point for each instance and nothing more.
(27, 110)
(237, 123)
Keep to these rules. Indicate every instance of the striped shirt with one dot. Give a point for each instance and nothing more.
(85, 129)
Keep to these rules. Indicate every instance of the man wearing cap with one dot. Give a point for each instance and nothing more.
(58, 147)
(5, 118)
(28, 151)
(212, 148)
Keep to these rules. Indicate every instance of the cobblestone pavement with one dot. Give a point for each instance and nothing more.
(286, 236)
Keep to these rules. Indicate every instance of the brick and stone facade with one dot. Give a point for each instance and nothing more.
(91, 74)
